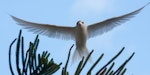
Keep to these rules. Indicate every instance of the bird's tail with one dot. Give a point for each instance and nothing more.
(79, 53)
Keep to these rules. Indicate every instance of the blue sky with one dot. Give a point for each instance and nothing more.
(134, 35)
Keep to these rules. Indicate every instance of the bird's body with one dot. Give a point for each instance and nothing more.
(80, 33)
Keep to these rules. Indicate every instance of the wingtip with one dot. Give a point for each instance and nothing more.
(146, 5)
(13, 17)
(143, 6)
(10, 15)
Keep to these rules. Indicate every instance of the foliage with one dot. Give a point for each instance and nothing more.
(40, 65)
(31, 63)
(105, 70)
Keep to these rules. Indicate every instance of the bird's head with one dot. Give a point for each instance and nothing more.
(80, 23)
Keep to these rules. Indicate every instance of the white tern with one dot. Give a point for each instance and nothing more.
(80, 33)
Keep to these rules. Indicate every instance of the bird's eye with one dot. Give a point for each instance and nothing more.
(82, 22)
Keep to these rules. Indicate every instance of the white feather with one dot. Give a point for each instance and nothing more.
(61, 32)
(107, 25)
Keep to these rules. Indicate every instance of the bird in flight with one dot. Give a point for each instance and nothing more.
(80, 33)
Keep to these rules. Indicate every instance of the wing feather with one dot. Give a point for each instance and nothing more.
(107, 25)
(53, 31)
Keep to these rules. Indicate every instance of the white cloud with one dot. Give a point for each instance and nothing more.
(87, 7)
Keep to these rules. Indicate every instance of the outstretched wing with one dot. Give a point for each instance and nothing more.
(53, 31)
(109, 24)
